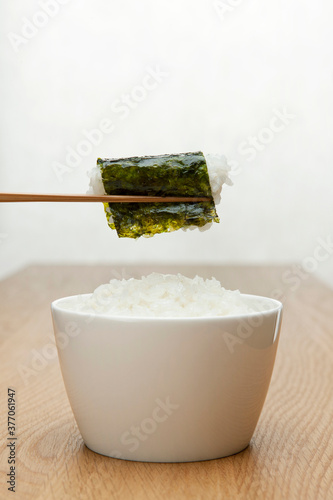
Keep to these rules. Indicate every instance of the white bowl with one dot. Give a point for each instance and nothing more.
(167, 389)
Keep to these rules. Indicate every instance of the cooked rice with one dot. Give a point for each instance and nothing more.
(162, 295)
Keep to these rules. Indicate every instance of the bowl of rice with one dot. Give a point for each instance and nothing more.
(166, 368)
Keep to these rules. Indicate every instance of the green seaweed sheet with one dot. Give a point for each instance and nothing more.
(183, 174)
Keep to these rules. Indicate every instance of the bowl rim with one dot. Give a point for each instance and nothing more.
(277, 306)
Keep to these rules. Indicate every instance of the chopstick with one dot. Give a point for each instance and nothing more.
(26, 197)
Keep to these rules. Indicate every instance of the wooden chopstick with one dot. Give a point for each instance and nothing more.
(22, 197)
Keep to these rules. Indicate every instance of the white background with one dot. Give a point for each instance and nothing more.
(230, 66)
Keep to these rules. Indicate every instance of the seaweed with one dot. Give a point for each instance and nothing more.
(166, 175)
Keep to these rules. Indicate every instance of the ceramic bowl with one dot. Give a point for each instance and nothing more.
(167, 389)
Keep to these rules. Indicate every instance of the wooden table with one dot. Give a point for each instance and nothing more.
(291, 453)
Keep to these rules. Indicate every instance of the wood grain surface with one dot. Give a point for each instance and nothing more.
(291, 453)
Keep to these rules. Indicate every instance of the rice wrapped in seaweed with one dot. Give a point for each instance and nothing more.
(186, 174)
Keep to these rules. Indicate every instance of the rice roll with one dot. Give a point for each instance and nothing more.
(186, 174)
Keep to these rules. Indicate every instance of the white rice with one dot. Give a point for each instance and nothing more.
(162, 295)
(218, 171)
(95, 183)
